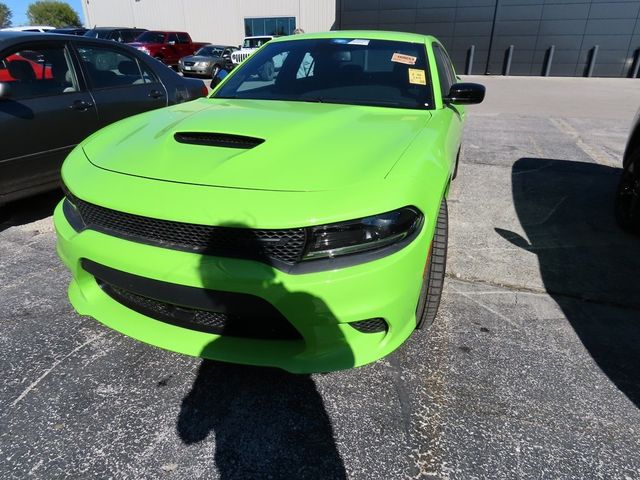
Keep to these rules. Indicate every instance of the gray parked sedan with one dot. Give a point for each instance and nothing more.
(55, 90)
(207, 61)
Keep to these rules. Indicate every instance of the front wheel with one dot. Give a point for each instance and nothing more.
(627, 206)
(433, 279)
(214, 71)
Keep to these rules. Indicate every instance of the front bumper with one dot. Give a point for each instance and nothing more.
(204, 71)
(319, 305)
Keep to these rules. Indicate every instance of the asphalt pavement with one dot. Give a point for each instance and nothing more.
(531, 370)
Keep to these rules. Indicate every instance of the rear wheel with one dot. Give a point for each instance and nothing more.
(433, 280)
(627, 207)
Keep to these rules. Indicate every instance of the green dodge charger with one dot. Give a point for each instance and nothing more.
(298, 222)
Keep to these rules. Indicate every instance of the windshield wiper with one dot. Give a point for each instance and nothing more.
(342, 101)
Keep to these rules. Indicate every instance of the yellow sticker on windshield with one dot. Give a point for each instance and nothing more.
(417, 76)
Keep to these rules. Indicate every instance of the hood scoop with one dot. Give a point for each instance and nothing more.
(217, 140)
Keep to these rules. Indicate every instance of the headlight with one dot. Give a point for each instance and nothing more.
(202, 64)
(363, 234)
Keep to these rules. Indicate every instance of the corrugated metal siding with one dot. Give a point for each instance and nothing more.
(531, 26)
(216, 21)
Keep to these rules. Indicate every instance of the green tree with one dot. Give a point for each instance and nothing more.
(5, 16)
(54, 13)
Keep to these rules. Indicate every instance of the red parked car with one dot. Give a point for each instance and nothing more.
(40, 71)
(168, 47)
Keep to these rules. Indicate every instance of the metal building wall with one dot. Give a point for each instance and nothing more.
(217, 21)
(574, 27)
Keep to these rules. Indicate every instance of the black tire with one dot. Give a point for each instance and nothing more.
(433, 281)
(215, 70)
(627, 206)
(267, 71)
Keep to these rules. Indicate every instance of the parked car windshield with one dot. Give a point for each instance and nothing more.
(209, 51)
(151, 37)
(255, 42)
(337, 70)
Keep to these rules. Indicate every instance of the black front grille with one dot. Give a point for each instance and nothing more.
(270, 246)
(372, 325)
(210, 311)
(189, 64)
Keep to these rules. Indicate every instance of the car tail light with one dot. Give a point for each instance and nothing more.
(205, 90)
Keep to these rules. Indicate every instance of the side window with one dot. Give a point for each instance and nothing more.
(183, 38)
(443, 70)
(111, 68)
(34, 71)
(306, 67)
(172, 38)
(147, 74)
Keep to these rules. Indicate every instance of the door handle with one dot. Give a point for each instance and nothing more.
(156, 94)
(81, 105)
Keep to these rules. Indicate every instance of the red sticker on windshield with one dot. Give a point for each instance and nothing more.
(402, 58)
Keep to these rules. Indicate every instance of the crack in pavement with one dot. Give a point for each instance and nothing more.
(511, 288)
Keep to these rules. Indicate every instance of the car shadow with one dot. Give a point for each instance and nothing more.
(21, 212)
(266, 422)
(588, 265)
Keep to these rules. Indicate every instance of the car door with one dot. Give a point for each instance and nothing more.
(454, 113)
(185, 46)
(46, 112)
(120, 82)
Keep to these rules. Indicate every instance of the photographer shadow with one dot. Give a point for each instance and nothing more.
(589, 266)
(266, 422)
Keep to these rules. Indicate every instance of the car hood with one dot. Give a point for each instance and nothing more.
(198, 58)
(305, 146)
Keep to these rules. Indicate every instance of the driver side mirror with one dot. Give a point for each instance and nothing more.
(218, 78)
(465, 94)
(5, 90)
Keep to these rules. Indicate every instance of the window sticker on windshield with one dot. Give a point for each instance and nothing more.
(359, 41)
(402, 58)
(417, 76)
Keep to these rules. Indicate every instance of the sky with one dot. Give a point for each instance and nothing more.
(19, 9)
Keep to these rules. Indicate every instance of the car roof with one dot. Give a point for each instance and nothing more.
(25, 27)
(10, 38)
(117, 28)
(363, 34)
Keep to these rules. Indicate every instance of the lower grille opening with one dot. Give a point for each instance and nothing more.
(210, 311)
(372, 325)
(203, 320)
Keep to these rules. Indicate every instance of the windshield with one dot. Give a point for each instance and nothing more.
(336, 70)
(255, 42)
(151, 37)
(210, 52)
(97, 33)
